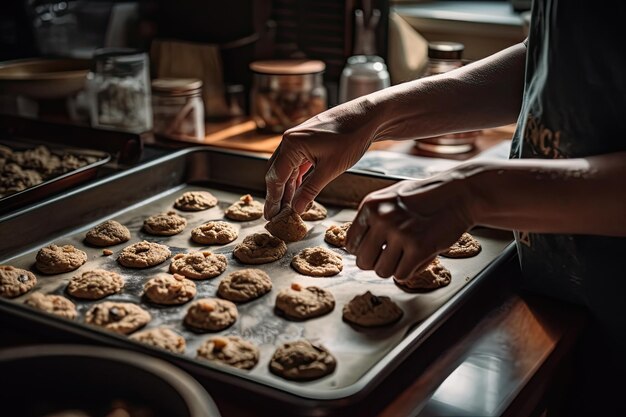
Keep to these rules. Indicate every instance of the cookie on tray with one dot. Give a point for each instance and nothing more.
(52, 304)
(168, 289)
(230, 350)
(466, 247)
(108, 233)
(302, 360)
(165, 224)
(214, 233)
(317, 262)
(302, 303)
(369, 310)
(95, 284)
(195, 201)
(143, 254)
(210, 314)
(198, 265)
(336, 234)
(287, 225)
(315, 212)
(246, 209)
(434, 276)
(260, 248)
(118, 317)
(55, 259)
(244, 285)
(162, 338)
(15, 281)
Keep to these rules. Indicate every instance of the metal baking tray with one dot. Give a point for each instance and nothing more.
(364, 356)
(54, 184)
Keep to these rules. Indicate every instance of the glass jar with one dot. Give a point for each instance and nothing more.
(363, 74)
(178, 108)
(119, 90)
(285, 93)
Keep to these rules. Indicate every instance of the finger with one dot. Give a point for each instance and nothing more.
(408, 266)
(313, 183)
(370, 248)
(358, 229)
(304, 168)
(290, 188)
(388, 260)
(277, 177)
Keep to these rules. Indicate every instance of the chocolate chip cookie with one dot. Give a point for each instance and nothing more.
(466, 247)
(15, 281)
(107, 234)
(95, 284)
(260, 248)
(169, 289)
(315, 212)
(302, 303)
(162, 338)
(198, 265)
(244, 285)
(165, 224)
(246, 209)
(369, 310)
(434, 276)
(287, 225)
(55, 259)
(336, 235)
(214, 233)
(302, 360)
(118, 317)
(317, 262)
(195, 201)
(210, 314)
(143, 254)
(230, 350)
(53, 304)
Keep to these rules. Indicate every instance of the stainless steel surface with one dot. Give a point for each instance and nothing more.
(364, 357)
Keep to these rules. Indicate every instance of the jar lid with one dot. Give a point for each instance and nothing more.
(445, 50)
(288, 66)
(176, 85)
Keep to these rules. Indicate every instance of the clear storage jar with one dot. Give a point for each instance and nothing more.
(285, 93)
(178, 108)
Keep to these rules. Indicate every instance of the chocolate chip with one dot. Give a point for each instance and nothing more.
(375, 301)
(23, 278)
(115, 314)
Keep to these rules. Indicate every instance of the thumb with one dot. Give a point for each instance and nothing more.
(311, 186)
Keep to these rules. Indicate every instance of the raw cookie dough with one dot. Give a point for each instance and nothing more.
(247, 208)
(315, 212)
(118, 317)
(169, 289)
(198, 265)
(317, 262)
(95, 284)
(466, 247)
(15, 281)
(287, 225)
(260, 248)
(195, 201)
(162, 338)
(302, 361)
(143, 254)
(53, 304)
(244, 285)
(165, 224)
(214, 233)
(107, 234)
(434, 276)
(368, 310)
(211, 314)
(230, 350)
(336, 235)
(302, 303)
(55, 259)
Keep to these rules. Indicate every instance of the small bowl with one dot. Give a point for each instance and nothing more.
(42, 380)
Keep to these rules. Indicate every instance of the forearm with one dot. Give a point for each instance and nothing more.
(573, 196)
(483, 94)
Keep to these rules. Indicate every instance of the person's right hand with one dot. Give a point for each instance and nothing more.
(323, 147)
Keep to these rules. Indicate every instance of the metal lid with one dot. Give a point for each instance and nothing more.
(445, 50)
(176, 85)
(288, 66)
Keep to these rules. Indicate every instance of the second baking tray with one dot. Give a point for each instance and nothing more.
(364, 356)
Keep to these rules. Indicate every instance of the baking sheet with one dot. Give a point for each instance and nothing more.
(357, 349)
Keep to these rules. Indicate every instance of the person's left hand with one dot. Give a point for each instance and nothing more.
(400, 229)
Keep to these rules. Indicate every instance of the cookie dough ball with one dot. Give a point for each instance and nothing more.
(195, 201)
(230, 350)
(122, 318)
(369, 310)
(52, 304)
(162, 338)
(143, 254)
(434, 276)
(169, 289)
(198, 265)
(302, 303)
(214, 233)
(211, 314)
(260, 248)
(317, 262)
(244, 285)
(95, 284)
(55, 259)
(246, 209)
(107, 234)
(165, 224)
(315, 212)
(336, 235)
(15, 281)
(287, 225)
(466, 247)
(302, 360)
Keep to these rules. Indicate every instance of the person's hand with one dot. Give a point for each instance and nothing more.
(400, 229)
(323, 147)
